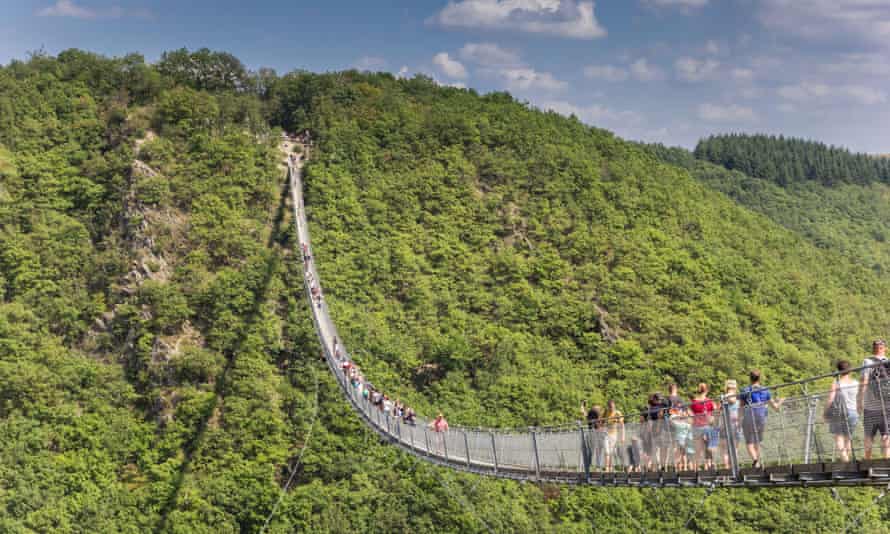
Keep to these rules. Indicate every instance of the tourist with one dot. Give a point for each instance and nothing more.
(681, 432)
(702, 409)
(659, 432)
(589, 414)
(615, 433)
(675, 405)
(874, 398)
(841, 411)
(674, 398)
(756, 400)
(731, 404)
(410, 416)
(598, 437)
(439, 424)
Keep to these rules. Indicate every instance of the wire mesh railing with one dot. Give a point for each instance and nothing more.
(774, 427)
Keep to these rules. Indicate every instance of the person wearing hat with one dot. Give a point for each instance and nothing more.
(874, 398)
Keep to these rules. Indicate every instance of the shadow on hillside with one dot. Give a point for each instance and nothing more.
(281, 238)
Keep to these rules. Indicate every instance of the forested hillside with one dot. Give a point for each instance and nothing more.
(788, 160)
(841, 202)
(158, 371)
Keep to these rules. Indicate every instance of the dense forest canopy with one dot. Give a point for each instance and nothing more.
(789, 160)
(158, 369)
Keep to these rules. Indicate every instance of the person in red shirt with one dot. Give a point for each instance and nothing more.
(439, 426)
(702, 409)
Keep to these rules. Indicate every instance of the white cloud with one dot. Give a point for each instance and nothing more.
(812, 91)
(564, 18)
(644, 72)
(867, 20)
(403, 72)
(696, 70)
(877, 65)
(679, 3)
(640, 70)
(489, 55)
(596, 115)
(751, 92)
(742, 75)
(608, 73)
(864, 95)
(766, 63)
(448, 66)
(370, 63)
(527, 78)
(506, 66)
(713, 47)
(684, 6)
(726, 113)
(804, 91)
(69, 8)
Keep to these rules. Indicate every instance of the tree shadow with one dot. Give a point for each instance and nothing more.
(281, 238)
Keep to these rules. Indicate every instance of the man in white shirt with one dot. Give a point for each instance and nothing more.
(873, 402)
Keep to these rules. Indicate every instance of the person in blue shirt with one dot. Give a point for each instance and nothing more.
(756, 401)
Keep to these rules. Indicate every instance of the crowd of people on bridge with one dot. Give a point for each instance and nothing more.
(698, 432)
(364, 389)
(367, 392)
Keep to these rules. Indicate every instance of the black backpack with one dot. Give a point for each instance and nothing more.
(879, 381)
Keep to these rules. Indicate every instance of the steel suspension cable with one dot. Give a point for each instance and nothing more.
(630, 516)
(299, 456)
(463, 502)
(854, 522)
(701, 503)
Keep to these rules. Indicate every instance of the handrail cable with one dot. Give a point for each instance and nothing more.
(296, 465)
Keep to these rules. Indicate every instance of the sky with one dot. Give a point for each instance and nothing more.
(670, 71)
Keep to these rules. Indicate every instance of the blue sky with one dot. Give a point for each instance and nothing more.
(656, 70)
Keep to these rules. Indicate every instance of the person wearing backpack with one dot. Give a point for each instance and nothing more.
(756, 401)
(874, 398)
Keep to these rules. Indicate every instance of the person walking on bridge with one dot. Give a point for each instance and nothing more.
(841, 411)
(702, 409)
(756, 401)
(874, 398)
(440, 426)
(731, 405)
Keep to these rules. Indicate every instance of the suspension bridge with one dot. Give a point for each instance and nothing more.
(797, 445)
